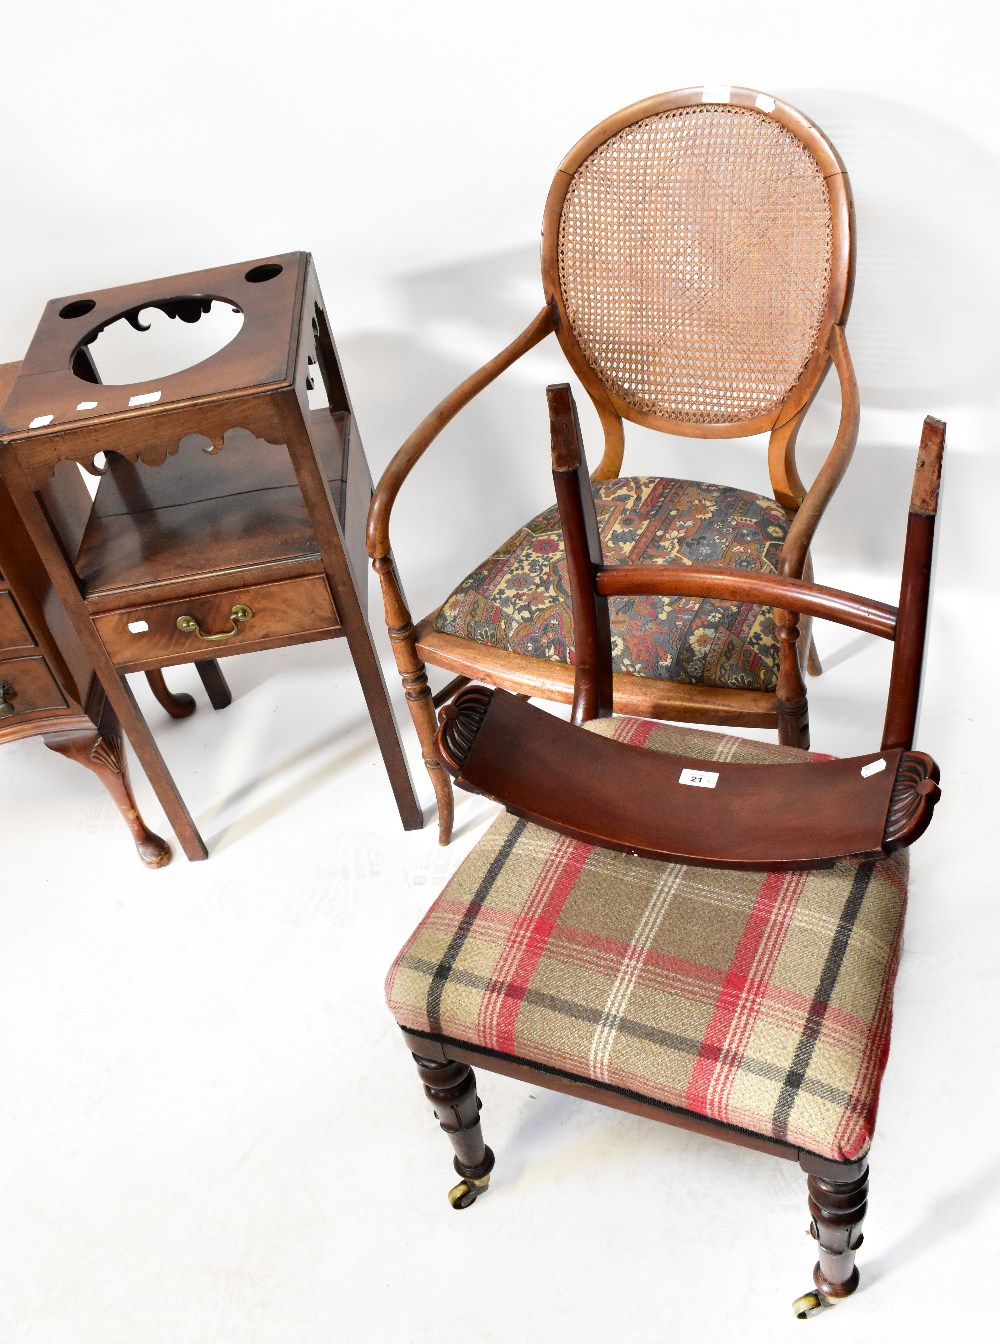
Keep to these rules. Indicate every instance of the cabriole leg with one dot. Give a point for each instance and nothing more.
(179, 705)
(838, 1210)
(103, 751)
(450, 1087)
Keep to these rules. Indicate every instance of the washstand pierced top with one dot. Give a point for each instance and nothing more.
(230, 510)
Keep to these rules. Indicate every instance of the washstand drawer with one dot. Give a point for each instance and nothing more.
(239, 618)
(14, 634)
(32, 688)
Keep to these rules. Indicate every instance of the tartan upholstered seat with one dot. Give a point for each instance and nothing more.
(761, 1001)
(518, 599)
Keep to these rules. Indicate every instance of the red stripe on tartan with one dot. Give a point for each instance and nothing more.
(743, 992)
(754, 1004)
(501, 1002)
(661, 972)
(788, 1009)
(635, 732)
(857, 1121)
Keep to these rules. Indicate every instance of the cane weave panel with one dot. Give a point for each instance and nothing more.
(519, 598)
(759, 1000)
(694, 260)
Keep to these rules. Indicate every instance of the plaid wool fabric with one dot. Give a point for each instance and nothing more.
(759, 1000)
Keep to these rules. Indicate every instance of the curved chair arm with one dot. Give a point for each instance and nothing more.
(427, 431)
(817, 497)
(729, 585)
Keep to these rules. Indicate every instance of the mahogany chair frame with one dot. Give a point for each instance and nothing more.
(499, 759)
(417, 644)
(754, 816)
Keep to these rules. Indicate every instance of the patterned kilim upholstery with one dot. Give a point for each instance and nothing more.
(759, 1000)
(519, 600)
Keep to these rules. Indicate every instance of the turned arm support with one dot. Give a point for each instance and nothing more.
(817, 497)
(427, 431)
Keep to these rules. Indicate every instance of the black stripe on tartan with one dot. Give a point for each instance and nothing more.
(628, 1027)
(797, 1071)
(443, 970)
(792, 1151)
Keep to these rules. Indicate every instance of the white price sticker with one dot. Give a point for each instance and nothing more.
(872, 768)
(700, 779)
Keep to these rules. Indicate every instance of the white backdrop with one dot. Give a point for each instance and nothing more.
(410, 148)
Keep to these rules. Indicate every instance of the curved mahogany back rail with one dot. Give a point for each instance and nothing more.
(683, 809)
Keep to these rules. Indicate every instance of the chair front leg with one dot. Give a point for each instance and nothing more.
(450, 1087)
(792, 703)
(416, 689)
(838, 1210)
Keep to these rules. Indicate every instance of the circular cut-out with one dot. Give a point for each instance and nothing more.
(259, 274)
(163, 339)
(78, 308)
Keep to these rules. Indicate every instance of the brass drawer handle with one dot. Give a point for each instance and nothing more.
(238, 615)
(6, 709)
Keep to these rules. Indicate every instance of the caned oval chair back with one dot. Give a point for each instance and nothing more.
(699, 255)
(697, 264)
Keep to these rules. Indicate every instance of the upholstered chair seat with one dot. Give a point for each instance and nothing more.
(697, 928)
(518, 599)
(758, 1001)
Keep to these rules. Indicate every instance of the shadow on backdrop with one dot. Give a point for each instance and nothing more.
(925, 325)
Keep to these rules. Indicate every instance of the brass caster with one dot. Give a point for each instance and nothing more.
(811, 1305)
(465, 1194)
